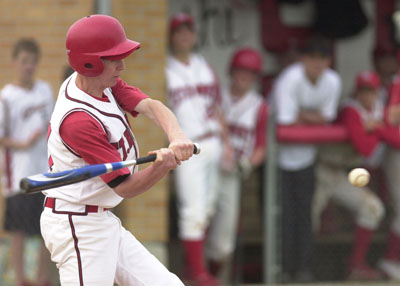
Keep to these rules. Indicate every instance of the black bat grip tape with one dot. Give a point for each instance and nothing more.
(153, 157)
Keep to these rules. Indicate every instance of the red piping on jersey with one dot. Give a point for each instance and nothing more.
(8, 168)
(78, 253)
(102, 112)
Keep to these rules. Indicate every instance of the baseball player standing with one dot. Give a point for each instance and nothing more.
(193, 95)
(362, 115)
(89, 126)
(245, 114)
(25, 109)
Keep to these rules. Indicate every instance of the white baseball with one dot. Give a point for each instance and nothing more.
(359, 177)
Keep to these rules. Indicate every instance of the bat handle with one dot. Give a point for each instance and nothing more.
(146, 159)
(196, 148)
(153, 157)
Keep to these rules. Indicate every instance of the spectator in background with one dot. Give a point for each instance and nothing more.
(25, 109)
(245, 114)
(305, 93)
(193, 95)
(362, 115)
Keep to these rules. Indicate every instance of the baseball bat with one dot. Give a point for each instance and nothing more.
(40, 182)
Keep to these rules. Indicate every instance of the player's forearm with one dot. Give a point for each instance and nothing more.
(311, 117)
(16, 144)
(12, 144)
(140, 182)
(258, 156)
(163, 117)
(224, 127)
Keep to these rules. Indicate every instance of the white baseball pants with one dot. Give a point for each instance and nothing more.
(332, 183)
(196, 181)
(95, 250)
(223, 229)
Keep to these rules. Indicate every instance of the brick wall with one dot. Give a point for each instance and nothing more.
(144, 21)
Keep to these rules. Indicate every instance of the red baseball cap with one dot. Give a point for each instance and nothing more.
(368, 79)
(180, 19)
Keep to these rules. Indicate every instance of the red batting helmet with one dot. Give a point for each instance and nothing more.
(247, 58)
(95, 37)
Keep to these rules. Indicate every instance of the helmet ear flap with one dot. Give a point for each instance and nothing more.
(87, 65)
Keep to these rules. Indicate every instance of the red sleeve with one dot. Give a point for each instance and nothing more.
(128, 97)
(87, 138)
(363, 141)
(261, 126)
(390, 135)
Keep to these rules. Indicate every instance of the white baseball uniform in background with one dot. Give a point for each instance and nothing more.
(93, 248)
(193, 95)
(23, 113)
(334, 184)
(241, 116)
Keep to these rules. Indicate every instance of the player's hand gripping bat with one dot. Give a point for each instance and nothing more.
(41, 182)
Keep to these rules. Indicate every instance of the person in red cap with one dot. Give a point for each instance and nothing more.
(193, 95)
(362, 115)
(89, 126)
(245, 113)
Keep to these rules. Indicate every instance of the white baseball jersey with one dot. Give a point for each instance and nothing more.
(193, 95)
(241, 117)
(23, 112)
(293, 92)
(104, 112)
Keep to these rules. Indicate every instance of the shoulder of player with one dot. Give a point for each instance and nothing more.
(8, 90)
(44, 87)
(291, 72)
(81, 120)
(332, 76)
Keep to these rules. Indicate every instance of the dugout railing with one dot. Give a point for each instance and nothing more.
(276, 134)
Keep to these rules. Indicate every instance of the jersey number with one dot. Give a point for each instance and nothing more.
(126, 139)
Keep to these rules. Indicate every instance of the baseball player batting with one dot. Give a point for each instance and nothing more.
(89, 126)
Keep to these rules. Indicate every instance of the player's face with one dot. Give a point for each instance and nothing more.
(243, 79)
(112, 71)
(183, 39)
(367, 97)
(315, 64)
(25, 66)
(386, 65)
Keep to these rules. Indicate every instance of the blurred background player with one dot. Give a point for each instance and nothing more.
(26, 106)
(305, 93)
(245, 114)
(362, 115)
(193, 95)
